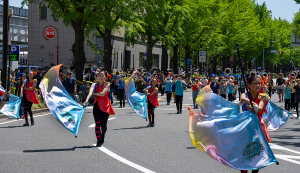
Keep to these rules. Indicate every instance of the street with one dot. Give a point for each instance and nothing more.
(129, 145)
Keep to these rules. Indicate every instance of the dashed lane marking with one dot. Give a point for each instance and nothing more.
(93, 125)
(19, 119)
(121, 159)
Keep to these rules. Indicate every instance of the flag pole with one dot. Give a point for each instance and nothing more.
(246, 86)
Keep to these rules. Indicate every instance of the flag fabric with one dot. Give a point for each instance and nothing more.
(275, 117)
(65, 109)
(11, 107)
(234, 139)
(136, 100)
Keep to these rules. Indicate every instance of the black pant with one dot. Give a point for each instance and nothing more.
(230, 97)
(27, 108)
(151, 109)
(270, 91)
(100, 121)
(162, 90)
(287, 104)
(169, 94)
(254, 171)
(178, 102)
(223, 95)
(293, 104)
(140, 90)
(121, 97)
(116, 89)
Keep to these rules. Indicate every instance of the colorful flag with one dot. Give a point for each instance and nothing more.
(136, 100)
(11, 107)
(275, 117)
(234, 139)
(66, 110)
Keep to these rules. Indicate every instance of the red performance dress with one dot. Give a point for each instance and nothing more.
(153, 99)
(103, 101)
(259, 115)
(30, 94)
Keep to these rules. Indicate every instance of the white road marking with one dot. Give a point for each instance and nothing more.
(19, 119)
(277, 147)
(93, 125)
(121, 159)
(190, 98)
(295, 115)
(288, 158)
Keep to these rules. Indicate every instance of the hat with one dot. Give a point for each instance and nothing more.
(225, 76)
(23, 74)
(117, 72)
(292, 77)
(94, 68)
(213, 75)
(280, 73)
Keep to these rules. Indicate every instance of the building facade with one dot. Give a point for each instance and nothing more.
(43, 51)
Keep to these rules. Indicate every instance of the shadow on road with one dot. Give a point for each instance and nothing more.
(53, 150)
(190, 148)
(131, 128)
(11, 127)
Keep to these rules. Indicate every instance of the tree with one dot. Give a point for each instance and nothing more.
(75, 13)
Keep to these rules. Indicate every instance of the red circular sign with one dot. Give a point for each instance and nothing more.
(49, 33)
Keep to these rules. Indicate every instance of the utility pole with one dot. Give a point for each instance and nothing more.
(4, 44)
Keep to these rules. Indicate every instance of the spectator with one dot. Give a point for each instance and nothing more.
(20, 72)
(70, 85)
(121, 83)
(72, 71)
(140, 84)
(116, 77)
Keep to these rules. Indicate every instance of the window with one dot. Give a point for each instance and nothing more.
(44, 13)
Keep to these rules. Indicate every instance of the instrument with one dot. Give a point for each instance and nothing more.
(253, 73)
(227, 71)
(294, 73)
(265, 74)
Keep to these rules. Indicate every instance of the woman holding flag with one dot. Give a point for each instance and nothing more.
(29, 97)
(151, 91)
(259, 101)
(102, 107)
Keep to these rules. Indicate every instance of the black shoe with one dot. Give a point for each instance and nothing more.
(26, 124)
(99, 143)
(32, 121)
(124, 106)
(279, 100)
(180, 111)
(153, 124)
(177, 112)
(168, 103)
(120, 107)
(149, 125)
(111, 102)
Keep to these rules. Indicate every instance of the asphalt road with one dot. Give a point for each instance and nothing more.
(129, 145)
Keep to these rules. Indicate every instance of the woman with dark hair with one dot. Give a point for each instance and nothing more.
(152, 92)
(259, 101)
(29, 97)
(102, 107)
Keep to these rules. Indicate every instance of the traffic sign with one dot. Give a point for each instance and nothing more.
(254, 59)
(49, 33)
(188, 61)
(231, 58)
(202, 56)
(231, 62)
(15, 49)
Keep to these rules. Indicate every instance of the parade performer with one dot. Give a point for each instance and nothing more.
(151, 92)
(102, 107)
(287, 96)
(280, 82)
(29, 97)
(223, 87)
(297, 96)
(195, 87)
(259, 100)
(168, 89)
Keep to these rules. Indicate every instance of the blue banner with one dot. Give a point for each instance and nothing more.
(275, 117)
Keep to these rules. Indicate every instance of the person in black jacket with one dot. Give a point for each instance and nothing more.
(297, 96)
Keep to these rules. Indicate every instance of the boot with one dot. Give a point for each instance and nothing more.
(32, 121)
(26, 124)
(153, 124)
(149, 125)
(99, 144)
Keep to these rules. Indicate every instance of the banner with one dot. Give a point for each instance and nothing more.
(136, 100)
(234, 139)
(275, 117)
(66, 110)
(11, 107)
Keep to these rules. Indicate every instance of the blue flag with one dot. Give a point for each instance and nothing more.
(275, 117)
(66, 110)
(136, 100)
(11, 107)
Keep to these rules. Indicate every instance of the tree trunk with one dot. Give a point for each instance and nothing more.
(164, 58)
(175, 59)
(107, 50)
(79, 58)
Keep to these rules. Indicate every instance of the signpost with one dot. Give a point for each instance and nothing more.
(188, 65)
(50, 32)
(14, 53)
(202, 58)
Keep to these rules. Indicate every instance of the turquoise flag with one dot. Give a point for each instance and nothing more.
(66, 110)
(275, 117)
(136, 100)
(11, 107)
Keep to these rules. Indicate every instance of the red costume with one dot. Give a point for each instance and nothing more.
(153, 99)
(259, 115)
(103, 101)
(30, 94)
